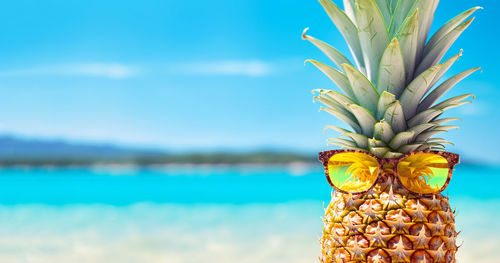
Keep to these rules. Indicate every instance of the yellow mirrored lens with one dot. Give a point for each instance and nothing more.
(423, 173)
(352, 171)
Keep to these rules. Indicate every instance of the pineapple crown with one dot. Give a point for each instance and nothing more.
(389, 92)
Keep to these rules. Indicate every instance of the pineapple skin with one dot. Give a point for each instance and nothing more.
(388, 225)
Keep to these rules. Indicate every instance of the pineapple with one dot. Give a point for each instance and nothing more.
(390, 100)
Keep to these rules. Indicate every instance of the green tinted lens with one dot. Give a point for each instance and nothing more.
(353, 171)
(423, 173)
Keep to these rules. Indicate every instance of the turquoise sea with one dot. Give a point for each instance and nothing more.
(184, 214)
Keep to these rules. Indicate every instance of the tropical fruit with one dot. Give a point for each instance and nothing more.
(389, 97)
(388, 225)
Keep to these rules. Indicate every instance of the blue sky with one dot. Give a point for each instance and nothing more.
(201, 75)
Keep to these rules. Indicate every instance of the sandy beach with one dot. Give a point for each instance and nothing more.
(218, 233)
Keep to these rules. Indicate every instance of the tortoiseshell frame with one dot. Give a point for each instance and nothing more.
(452, 158)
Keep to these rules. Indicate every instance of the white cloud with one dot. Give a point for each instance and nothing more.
(93, 69)
(113, 70)
(251, 68)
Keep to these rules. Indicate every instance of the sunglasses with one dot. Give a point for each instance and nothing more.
(422, 173)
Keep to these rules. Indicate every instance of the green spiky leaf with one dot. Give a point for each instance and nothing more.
(343, 117)
(449, 26)
(360, 139)
(364, 91)
(333, 104)
(423, 147)
(443, 88)
(348, 145)
(424, 117)
(365, 119)
(453, 102)
(426, 9)
(447, 127)
(418, 129)
(345, 142)
(379, 151)
(409, 147)
(446, 65)
(416, 91)
(335, 128)
(331, 52)
(373, 35)
(400, 139)
(395, 116)
(339, 78)
(436, 53)
(349, 10)
(408, 39)
(392, 5)
(392, 75)
(374, 143)
(347, 28)
(426, 135)
(383, 6)
(399, 15)
(445, 120)
(440, 141)
(384, 101)
(383, 131)
(335, 95)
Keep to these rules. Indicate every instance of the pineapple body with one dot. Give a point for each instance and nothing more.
(389, 96)
(388, 224)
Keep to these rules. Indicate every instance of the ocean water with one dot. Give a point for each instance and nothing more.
(184, 214)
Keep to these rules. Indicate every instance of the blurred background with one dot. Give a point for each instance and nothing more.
(184, 131)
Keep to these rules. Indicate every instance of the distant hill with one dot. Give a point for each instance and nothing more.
(20, 151)
(16, 148)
